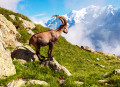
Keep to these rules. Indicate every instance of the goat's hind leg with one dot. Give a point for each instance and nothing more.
(38, 54)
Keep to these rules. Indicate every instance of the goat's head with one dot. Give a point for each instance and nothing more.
(64, 22)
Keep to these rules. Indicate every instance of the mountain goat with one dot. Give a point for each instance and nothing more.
(48, 38)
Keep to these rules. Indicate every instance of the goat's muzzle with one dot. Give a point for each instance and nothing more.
(65, 31)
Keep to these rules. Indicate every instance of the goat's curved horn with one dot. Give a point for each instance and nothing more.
(64, 21)
(55, 15)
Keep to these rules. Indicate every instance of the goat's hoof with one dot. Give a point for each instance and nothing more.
(43, 57)
(42, 60)
(50, 58)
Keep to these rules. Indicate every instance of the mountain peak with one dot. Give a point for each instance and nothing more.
(84, 15)
(110, 6)
(110, 9)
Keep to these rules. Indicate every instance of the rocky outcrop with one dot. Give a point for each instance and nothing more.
(94, 51)
(8, 32)
(27, 24)
(21, 83)
(88, 49)
(24, 53)
(116, 71)
(61, 82)
(108, 54)
(103, 81)
(79, 82)
(38, 82)
(6, 66)
(16, 83)
(30, 32)
(12, 16)
(55, 65)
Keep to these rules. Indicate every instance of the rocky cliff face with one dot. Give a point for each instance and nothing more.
(8, 37)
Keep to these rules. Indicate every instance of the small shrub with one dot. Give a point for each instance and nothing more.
(18, 23)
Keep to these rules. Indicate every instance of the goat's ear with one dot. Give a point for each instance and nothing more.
(65, 27)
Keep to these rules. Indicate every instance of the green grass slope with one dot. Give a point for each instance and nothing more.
(83, 65)
(6, 13)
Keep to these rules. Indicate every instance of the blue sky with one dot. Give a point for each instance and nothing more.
(51, 7)
(44, 9)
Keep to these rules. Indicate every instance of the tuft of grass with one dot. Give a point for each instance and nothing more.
(114, 80)
(25, 36)
(39, 28)
(10, 48)
(4, 82)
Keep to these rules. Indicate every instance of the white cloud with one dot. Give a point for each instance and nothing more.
(39, 19)
(115, 49)
(40, 14)
(78, 35)
(9, 4)
(100, 39)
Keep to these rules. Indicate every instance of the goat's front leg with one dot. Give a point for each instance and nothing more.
(50, 50)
